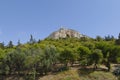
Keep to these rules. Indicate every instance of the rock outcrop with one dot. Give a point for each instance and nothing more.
(65, 33)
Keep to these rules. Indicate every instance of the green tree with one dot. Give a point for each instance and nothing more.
(67, 56)
(49, 58)
(114, 54)
(104, 47)
(32, 40)
(98, 38)
(15, 61)
(89, 45)
(118, 40)
(96, 57)
(18, 43)
(4, 69)
(33, 60)
(107, 61)
(2, 46)
(10, 44)
(83, 54)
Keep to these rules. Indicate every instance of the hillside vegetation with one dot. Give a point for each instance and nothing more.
(36, 59)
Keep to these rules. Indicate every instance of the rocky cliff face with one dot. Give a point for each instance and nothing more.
(64, 33)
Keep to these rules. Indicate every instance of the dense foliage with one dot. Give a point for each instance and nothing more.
(49, 55)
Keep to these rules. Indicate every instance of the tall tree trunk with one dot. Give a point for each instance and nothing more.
(108, 65)
(95, 66)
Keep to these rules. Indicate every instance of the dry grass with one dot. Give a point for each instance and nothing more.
(80, 75)
(65, 75)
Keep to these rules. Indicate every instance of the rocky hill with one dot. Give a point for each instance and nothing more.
(64, 33)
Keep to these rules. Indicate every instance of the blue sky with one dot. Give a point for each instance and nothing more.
(20, 18)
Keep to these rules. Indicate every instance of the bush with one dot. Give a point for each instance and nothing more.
(116, 72)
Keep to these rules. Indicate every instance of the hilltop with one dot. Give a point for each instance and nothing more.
(64, 33)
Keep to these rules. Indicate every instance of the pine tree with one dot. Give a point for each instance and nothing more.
(10, 44)
(2, 45)
(32, 40)
(18, 43)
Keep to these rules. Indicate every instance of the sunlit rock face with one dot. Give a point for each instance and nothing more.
(65, 33)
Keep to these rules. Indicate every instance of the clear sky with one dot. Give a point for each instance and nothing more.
(20, 18)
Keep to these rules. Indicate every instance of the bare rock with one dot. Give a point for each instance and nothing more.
(65, 33)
